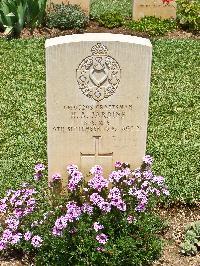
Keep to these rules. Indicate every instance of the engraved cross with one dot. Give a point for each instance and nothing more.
(96, 154)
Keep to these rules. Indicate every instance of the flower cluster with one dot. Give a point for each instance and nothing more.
(125, 191)
(76, 177)
(98, 182)
(15, 206)
(120, 198)
(73, 212)
(39, 168)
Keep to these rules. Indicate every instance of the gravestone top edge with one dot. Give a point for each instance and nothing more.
(95, 37)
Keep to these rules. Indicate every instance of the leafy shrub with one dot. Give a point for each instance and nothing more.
(111, 20)
(94, 224)
(66, 17)
(191, 242)
(152, 26)
(16, 14)
(188, 14)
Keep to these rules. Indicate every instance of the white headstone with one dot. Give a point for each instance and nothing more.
(97, 100)
(156, 8)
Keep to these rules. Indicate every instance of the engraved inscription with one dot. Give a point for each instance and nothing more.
(98, 119)
(98, 75)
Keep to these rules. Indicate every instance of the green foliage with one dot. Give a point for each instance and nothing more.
(100, 7)
(139, 245)
(152, 26)
(191, 243)
(173, 128)
(22, 110)
(110, 20)
(15, 14)
(188, 14)
(12, 15)
(69, 233)
(66, 17)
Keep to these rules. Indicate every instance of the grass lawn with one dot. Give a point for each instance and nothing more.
(123, 8)
(173, 133)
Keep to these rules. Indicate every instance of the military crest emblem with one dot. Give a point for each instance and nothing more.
(98, 75)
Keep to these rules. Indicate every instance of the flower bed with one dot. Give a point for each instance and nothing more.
(96, 222)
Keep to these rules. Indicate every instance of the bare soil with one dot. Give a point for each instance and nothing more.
(93, 27)
(177, 218)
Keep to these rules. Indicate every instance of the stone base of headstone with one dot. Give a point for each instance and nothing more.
(156, 8)
(84, 4)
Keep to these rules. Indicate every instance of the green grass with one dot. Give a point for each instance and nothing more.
(124, 8)
(173, 133)
(174, 125)
(22, 110)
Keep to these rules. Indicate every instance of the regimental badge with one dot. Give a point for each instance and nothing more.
(98, 75)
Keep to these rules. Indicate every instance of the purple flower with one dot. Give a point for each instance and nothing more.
(56, 231)
(16, 238)
(2, 245)
(3, 208)
(125, 172)
(30, 202)
(71, 168)
(36, 241)
(61, 223)
(115, 176)
(27, 236)
(73, 211)
(155, 190)
(96, 198)
(96, 170)
(37, 176)
(137, 173)
(102, 238)
(76, 177)
(18, 212)
(56, 177)
(97, 226)
(105, 206)
(118, 164)
(158, 180)
(98, 182)
(145, 184)
(148, 174)
(141, 207)
(130, 181)
(121, 206)
(12, 223)
(114, 193)
(147, 159)
(7, 235)
(18, 203)
(87, 208)
(39, 167)
(4, 200)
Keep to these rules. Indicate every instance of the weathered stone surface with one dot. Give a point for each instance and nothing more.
(97, 100)
(157, 8)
